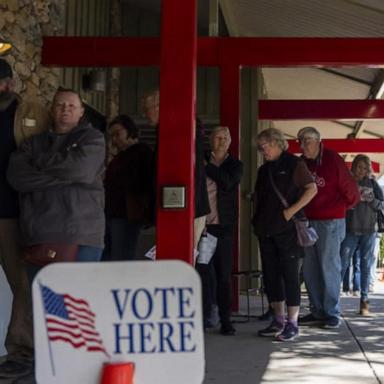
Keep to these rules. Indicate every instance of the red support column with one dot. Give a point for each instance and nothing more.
(230, 117)
(176, 128)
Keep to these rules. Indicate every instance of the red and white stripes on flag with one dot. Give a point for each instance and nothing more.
(71, 320)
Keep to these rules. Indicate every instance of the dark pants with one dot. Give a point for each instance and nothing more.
(216, 276)
(121, 237)
(281, 262)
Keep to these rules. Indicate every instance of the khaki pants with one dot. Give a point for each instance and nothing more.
(19, 339)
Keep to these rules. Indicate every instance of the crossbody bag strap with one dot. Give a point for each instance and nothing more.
(278, 193)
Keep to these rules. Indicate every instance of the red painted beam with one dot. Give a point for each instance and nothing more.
(318, 51)
(321, 109)
(100, 51)
(144, 51)
(375, 166)
(176, 154)
(346, 145)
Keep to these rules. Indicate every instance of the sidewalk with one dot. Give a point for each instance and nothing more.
(353, 353)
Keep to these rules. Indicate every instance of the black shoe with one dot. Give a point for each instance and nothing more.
(273, 329)
(227, 329)
(29, 379)
(267, 316)
(331, 322)
(14, 369)
(310, 320)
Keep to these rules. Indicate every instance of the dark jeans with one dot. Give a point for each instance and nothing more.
(216, 276)
(121, 237)
(281, 264)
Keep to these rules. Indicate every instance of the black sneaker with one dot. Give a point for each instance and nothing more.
(310, 320)
(14, 369)
(273, 329)
(289, 333)
(227, 329)
(331, 322)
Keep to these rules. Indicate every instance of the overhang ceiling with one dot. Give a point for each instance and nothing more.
(307, 18)
(313, 18)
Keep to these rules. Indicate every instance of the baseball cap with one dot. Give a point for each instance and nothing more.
(5, 70)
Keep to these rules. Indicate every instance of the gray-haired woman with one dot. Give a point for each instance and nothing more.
(275, 229)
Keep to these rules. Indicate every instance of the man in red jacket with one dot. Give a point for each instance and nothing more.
(337, 192)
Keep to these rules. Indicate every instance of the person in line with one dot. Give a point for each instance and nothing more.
(273, 224)
(151, 107)
(19, 120)
(224, 173)
(58, 175)
(337, 192)
(128, 190)
(361, 223)
(351, 280)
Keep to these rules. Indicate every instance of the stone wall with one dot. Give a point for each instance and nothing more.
(23, 23)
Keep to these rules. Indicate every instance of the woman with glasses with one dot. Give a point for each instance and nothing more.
(285, 174)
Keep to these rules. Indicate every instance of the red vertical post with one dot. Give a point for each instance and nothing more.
(176, 154)
(230, 117)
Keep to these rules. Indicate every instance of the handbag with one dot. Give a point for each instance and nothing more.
(306, 235)
(44, 254)
(380, 221)
(380, 214)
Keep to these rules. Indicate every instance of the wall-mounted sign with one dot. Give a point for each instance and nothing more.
(87, 314)
(173, 197)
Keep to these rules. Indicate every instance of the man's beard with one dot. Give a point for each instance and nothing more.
(6, 99)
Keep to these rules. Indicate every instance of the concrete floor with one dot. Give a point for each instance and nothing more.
(353, 353)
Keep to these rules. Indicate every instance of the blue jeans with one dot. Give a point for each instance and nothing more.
(355, 268)
(88, 253)
(364, 244)
(322, 268)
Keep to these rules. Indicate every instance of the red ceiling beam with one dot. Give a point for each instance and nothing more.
(346, 145)
(321, 109)
(144, 51)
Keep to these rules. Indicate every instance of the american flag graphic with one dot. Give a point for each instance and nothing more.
(71, 320)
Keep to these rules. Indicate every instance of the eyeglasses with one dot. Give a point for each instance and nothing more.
(262, 147)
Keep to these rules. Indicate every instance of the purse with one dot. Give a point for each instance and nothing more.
(44, 254)
(306, 235)
(380, 221)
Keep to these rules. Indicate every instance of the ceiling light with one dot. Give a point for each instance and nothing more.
(4, 46)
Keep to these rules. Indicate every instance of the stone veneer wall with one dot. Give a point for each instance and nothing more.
(23, 23)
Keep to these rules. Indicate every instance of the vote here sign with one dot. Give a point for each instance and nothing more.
(148, 313)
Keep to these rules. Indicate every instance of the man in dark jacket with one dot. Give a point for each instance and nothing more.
(58, 175)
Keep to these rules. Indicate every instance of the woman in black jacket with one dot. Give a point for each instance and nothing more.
(223, 178)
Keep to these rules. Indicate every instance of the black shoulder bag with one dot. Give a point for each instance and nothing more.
(306, 235)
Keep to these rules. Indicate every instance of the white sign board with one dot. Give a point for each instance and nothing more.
(148, 313)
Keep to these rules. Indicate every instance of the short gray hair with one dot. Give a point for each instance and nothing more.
(274, 134)
(309, 131)
(220, 128)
